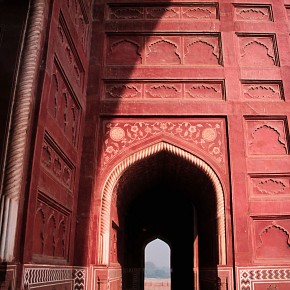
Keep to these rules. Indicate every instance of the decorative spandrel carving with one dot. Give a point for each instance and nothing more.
(52, 224)
(258, 50)
(78, 15)
(57, 164)
(63, 105)
(193, 90)
(73, 62)
(267, 137)
(263, 91)
(253, 12)
(164, 50)
(206, 135)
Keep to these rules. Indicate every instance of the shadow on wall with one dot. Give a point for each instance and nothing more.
(135, 52)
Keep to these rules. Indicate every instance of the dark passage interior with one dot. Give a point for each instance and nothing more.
(167, 197)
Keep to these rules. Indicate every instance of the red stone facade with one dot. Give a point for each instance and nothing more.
(126, 121)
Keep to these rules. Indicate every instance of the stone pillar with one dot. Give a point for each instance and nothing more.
(21, 119)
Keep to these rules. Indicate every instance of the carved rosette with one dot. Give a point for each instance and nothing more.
(207, 136)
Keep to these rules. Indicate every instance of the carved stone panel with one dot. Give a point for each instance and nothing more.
(250, 12)
(267, 137)
(272, 238)
(68, 51)
(51, 229)
(54, 161)
(164, 50)
(258, 50)
(205, 135)
(63, 104)
(158, 90)
(78, 15)
(262, 91)
(192, 11)
(269, 186)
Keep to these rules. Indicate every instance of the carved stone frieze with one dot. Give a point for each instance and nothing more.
(194, 11)
(253, 12)
(262, 90)
(164, 49)
(193, 90)
(206, 135)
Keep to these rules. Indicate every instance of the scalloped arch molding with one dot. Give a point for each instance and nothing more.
(120, 168)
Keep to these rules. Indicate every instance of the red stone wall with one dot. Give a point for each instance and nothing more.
(205, 62)
(209, 78)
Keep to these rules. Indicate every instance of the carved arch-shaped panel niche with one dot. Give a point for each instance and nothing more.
(202, 50)
(120, 168)
(258, 50)
(163, 51)
(124, 51)
(273, 242)
(267, 137)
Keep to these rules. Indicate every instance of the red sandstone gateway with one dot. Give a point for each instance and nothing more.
(127, 121)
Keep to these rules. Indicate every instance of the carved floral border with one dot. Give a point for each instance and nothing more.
(205, 135)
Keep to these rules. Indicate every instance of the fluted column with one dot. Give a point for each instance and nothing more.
(19, 126)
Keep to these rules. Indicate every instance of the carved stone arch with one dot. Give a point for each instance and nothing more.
(121, 167)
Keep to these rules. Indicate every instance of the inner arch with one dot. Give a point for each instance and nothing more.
(119, 170)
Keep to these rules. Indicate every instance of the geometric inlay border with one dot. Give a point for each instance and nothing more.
(247, 277)
(45, 275)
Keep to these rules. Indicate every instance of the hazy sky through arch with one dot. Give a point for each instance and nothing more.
(158, 252)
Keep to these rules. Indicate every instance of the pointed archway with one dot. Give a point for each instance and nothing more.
(116, 173)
